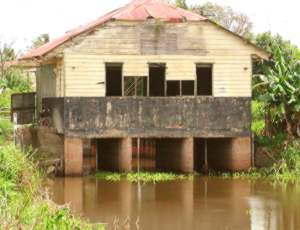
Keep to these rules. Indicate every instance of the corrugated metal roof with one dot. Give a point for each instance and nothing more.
(137, 10)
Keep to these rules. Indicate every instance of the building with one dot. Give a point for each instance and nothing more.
(150, 86)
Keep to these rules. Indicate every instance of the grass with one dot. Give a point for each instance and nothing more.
(145, 177)
(266, 173)
(23, 203)
(285, 169)
(258, 116)
(6, 131)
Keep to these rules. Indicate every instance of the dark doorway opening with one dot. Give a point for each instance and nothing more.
(113, 79)
(213, 154)
(157, 76)
(204, 80)
(143, 154)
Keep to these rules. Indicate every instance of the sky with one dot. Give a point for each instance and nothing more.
(23, 20)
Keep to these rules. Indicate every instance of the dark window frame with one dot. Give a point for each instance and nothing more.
(113, 64)
(209, 65)
(180, 88)
(159, 64)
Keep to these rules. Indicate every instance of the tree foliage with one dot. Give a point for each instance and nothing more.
(12, 79)
(40, 40)
(278, 86)
(227, 17)
(181, 3)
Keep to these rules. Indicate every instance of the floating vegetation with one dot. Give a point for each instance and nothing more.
(146, 177)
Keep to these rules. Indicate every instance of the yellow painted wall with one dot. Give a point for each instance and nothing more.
(128, 43)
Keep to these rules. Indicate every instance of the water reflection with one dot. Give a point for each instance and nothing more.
(201, 203)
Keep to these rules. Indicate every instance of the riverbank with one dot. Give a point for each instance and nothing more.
(23, 202)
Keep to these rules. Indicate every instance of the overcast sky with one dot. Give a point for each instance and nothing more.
(23, 20)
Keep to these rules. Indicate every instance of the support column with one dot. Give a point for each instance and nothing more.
(241, 153)
(125, 155)
(187, 155)
(73, 156)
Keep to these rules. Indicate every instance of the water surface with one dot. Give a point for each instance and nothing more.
(202, 203)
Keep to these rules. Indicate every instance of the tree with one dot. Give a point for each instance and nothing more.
(280, 81)
(7, 54)
(40, 40)
(11, 77)
(225, 16)
(181, 3)
(236, 22)
(267, 41)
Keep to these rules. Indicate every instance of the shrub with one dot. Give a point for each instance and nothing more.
(6, 130)
(22, 202)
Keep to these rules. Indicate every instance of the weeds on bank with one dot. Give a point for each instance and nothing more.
(286, 167)
(23, 204)
(145, 177)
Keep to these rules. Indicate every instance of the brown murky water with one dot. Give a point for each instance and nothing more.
(202, 203)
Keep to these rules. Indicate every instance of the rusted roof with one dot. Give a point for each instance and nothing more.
(137, 10)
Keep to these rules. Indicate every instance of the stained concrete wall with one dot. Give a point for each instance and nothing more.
(49, 144)
(157, 117)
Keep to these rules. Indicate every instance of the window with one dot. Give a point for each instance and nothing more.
(157, 75)
(173, 88)
(113, 79)
(135, 86)
(204, 79)
(187, 88)
(180, 88)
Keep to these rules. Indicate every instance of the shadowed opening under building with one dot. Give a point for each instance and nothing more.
(222, 154)
(183, 155)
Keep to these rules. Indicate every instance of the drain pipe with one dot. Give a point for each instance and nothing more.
(205, 168)
(138, 154)
(139, 187)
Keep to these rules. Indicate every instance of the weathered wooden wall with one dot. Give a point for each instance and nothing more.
(49, 82)
(46, 83)
(111, 117)
(179, 45)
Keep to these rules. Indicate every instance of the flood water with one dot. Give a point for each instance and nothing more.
(202, 203)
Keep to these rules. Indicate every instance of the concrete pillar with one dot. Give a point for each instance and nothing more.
(187, 155)
(125, 155)
(73, 156)
(241, 153)
(175, 154)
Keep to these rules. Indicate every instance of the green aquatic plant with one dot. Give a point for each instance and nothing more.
(109, 176)
(145, 177)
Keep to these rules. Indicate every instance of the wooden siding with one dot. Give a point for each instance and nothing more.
(179, 45)
(46, 83)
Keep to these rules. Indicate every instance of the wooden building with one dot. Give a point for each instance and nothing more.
(152, 77)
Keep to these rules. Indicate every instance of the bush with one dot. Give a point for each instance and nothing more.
(6, 130)
(22, 202)
(258, 116)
